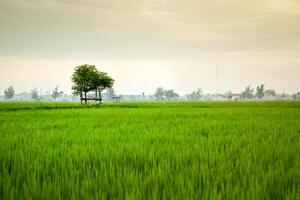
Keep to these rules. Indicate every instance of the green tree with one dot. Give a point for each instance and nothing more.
(260, 91)
(9, 92)
(248, 93)
(34, 94)
(86, 78)
(55, 93)
(102, 82)
(83, 78)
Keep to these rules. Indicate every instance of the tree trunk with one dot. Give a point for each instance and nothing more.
(85, 97)
(100, 96)
(96, 95)
(81, 98)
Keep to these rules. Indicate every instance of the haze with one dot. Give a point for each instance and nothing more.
(144, 44)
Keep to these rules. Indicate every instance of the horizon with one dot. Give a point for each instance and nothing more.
(49, 91)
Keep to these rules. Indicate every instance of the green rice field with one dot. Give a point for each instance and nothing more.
(221, 150)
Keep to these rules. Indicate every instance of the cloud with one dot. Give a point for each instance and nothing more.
(148, 28)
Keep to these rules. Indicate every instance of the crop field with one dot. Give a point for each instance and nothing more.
(234, 150)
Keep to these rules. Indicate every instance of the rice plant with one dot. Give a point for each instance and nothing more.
(246, 150)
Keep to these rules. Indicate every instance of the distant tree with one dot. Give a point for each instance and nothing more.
(195, 95)
(34, 94)
(110, 92)
(296, 96)
(159, 93)
(270, 92)
(9, 92)
(55, 93)
(170, 94)
(284, 95)
(260, 91)
(86, 78)
(248, 93)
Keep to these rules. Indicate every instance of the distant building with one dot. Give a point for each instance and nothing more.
(235, 96)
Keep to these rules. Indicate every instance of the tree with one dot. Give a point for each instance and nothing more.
(9, 92)
(296, 96)
(248, 93)
(170, 94)
(260, 91)
(83, 78)
(270, 92)
(110, 92)
(34, 94)
(195, 95)
(102, 82)
(159, 93)
(55, 93)
(86, 78)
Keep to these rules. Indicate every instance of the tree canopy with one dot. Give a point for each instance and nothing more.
(84, 78)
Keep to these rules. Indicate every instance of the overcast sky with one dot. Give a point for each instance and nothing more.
(144, 44)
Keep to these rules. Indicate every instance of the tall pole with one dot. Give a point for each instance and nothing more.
(217, 89)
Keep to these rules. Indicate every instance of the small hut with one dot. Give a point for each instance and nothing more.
(235, 96)
(116, 99)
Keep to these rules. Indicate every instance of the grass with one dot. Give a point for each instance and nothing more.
(245, 150)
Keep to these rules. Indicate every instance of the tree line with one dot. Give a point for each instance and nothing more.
(9, 93)
(162, 94)
(87, 78)
(260, 93)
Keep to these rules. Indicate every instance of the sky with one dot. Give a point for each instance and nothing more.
(144, 44)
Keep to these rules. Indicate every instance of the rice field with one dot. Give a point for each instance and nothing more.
(233, 150)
